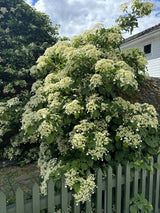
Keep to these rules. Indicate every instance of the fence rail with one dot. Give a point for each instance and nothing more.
(112, 194)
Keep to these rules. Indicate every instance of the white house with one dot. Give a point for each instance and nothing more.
(149, 42)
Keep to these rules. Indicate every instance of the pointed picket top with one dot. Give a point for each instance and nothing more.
(119, 168)
(99, 191)
(19, 200)
(118, 188)
(99, 172)
(36, 198)
(158, 159)
(76, 207)
(64, 196)
(150, 187)
(35, 187)
(127, 188)
(3, 202)
(50, 183)
(51, 197)
(109, 189)
(19, 191)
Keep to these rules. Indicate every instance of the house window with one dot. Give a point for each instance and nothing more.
(147, 48)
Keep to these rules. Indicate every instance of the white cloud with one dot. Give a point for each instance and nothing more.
(30, 2)
(75, 16)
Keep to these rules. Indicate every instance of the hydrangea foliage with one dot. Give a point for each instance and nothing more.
(77, 115)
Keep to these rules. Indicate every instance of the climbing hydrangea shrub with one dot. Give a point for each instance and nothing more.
(77, 116)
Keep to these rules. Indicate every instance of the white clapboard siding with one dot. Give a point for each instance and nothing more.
(154, 67)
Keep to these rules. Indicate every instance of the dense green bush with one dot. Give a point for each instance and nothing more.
(77, 115)
(24, 35)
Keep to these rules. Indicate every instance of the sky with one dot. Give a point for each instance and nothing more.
(75, 16)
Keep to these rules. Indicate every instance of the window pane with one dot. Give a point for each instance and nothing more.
(147, 48)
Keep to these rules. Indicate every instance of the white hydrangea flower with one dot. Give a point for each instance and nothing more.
(73, 107)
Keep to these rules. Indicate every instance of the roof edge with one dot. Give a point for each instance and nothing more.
(144, 32)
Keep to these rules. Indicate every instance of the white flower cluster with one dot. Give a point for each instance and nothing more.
(45, 129)
(35, 101)
(126, 77)
(96, 80)
(121, 103)
(13, 102)
(3, 10)
(36, 85)
(64, 83)
(46, 169)
(101, 139)
(142, 62)
(42, 113)
(128, 136)
(78, 141)
(84, 127)
(123, 65)
(87, 185)
(71, 177)
(77, 136)
(49, 51)
(104, 66)
(82, 39)
(41, 63)
(93, 103)
(28, 119)
(144, 121)
(62, 145)
(73, 107)
(60, 46)
(115, 37)
(2, 108)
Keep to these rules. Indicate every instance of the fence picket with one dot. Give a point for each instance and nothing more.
(143, 184)
(76, 207)
(150, 188)
(19, 201)
(157, 186)
(88, 208)
(135, 183)
(36, 199)
(127, 189)
(64, 204)
(118, 189)
(51, 201)
(99, 192)
(109, 190)
(2, 202)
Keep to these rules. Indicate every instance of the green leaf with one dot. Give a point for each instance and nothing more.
(157, 166)
(90, 163)
(84, 166)
(76, 115)
(125, 145)
(133, 209)
(76, 187)
(50, 138)
(107, 157)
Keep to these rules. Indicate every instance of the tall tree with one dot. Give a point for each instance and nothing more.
(24, 35)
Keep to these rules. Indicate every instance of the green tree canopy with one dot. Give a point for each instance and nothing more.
(24, 35)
